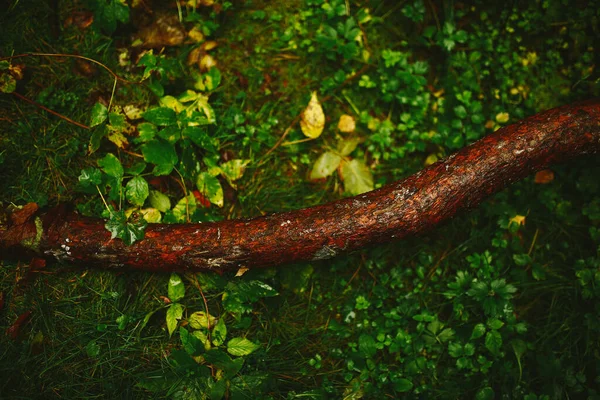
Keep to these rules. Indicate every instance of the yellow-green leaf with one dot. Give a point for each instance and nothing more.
(325, 165)
(313, 118)
(357, 177)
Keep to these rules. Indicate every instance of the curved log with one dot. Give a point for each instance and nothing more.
(408, 207)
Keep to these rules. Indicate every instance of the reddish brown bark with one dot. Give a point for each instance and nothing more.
(407, 207)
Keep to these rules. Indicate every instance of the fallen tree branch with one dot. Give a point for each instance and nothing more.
(408, 207)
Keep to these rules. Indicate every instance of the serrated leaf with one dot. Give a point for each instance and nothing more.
(313, 118)
(161, 116)
(136, 191)
(201, 320)
(176, 289)
(159, 200)
(99, 114)
(325, 165)
(241, 347)
(174, 313)
(111, 165)
(357, 177)
(161, 154)
(210, 187)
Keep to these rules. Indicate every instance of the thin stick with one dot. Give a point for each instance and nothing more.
(50, 111)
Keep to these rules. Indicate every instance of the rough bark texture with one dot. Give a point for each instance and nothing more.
(407, 207)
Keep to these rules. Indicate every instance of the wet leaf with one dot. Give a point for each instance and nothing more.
(313, 118)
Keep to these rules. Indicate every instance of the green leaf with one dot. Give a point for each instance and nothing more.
(403, 385)
(210, 187)
(136, 168)
(128, 231)
(487, 393)
(92, 349)
(174, 313)
(191, 344)
(96, 138)
(122, 321)
(161, 116)
(493, 341)
(221, 360)
(325, 165)
(161, 154)
(213, 78)
(495, 324)
(136, 191)
(159, 201)
(478, 331)
(147, 132)
(219, 332)
(367, 345)
(176, 289)
(98, 115)
(241, 347)
(90, 177)
(357, 177)
(111, 165)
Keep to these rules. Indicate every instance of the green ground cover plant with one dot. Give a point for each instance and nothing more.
(191, 111)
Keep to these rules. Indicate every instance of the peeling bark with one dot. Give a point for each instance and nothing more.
(408, 207)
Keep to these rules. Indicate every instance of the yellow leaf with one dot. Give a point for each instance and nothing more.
(502, 117)
(313, 118)
(346, 124)
(517, 219)
(241, 271)
(118, 139)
